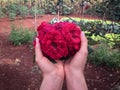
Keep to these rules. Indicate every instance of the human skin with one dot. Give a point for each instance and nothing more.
(72, 69)
(53, 74)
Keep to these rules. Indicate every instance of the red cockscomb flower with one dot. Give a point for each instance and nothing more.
(59, 40)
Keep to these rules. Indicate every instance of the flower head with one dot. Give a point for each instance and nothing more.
(59, 40)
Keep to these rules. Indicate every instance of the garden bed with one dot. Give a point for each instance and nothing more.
(17, 71)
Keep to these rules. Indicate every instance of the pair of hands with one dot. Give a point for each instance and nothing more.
(53, 74)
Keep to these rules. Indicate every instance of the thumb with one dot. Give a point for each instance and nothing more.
(84, 44)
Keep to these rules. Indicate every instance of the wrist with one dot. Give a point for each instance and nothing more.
(52, 83)
(53, 77)
(75, 80)
(73, 71)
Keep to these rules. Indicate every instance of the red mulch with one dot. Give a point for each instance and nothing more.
(17, 71)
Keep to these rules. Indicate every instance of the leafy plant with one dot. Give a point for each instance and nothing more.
(107, 9)
(36, 10)
(12, 8)
(67, 10)
(25, 1)
(22, 10)
(17, 9)
(98, 29)
(20, 35)
(103, 55)
(50, 8)
(12, 16)
(1, 13)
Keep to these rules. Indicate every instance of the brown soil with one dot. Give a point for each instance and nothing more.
(17, 71)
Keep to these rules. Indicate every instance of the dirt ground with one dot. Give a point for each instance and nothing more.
(17, 71)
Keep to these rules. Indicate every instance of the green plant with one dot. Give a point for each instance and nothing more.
(36, 10)
(1, 13)
(23, 10)
(12, 8)
(67, 10)
(17, 9)
(12, 16)
(107, 9)
(50, 8)
(21, 35)
(25, 1)
(97, 30)
(103, 55)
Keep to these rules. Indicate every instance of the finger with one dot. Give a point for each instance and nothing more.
(42, 61)
(38, 51)
(45, 65)
(81, 55)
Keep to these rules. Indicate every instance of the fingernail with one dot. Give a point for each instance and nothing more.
(82, 33)
(37, 40)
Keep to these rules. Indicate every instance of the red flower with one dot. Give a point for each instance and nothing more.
(59, 40)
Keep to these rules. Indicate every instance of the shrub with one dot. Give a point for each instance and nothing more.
(103, 55)
(17, 9)
(12, 16)
(12, 8)
(108, 8)
(67, 10)
(36, 10)
(1, 13)
(50, 8)
(20, 35)
(23, 11)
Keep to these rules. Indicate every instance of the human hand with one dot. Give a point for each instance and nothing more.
(78, 61)
(74, 67)
(53, 74)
